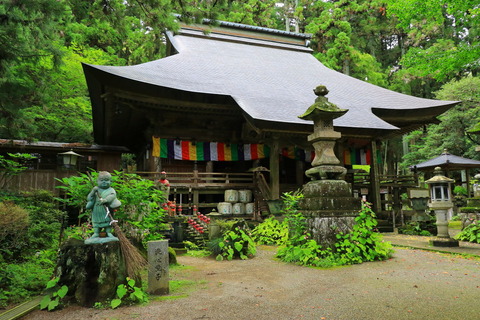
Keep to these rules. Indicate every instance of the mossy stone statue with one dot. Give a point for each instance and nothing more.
(102, 200)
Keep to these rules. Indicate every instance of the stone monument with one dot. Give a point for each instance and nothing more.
(328, 203)
(158, 282)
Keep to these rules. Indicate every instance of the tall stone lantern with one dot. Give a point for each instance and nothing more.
(328, 204)
(440, 203)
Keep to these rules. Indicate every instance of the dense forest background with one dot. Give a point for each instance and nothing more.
(425, 48)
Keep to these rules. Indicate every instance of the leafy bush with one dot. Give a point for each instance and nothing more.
(416, 228)
(271, 232)
(53, 299)
(290, 202)
(470, 233)
(19, 281)
(359, 245)
(460, 191)
(236, 244)
(362, 243)
(32, 249)
(80, 232)
(14, 222)
(40, 231)
(129, 294)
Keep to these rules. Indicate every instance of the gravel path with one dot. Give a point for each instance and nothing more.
(414, 284)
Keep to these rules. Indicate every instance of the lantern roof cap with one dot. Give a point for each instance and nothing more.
(439, 177)
(71, 152)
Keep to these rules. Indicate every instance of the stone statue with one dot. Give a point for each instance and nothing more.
(164, 185)
(102, 200)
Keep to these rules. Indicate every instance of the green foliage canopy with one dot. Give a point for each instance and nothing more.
(430, 143)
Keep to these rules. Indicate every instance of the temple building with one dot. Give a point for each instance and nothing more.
(225, 102)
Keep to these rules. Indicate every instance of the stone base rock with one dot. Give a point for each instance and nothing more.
(92, 272)
(329, 208)
(325, 229)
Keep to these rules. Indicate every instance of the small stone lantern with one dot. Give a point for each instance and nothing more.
(440, 203)
(214, 228)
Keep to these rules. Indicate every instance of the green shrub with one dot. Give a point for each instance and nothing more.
(470, 233)
(236, 244)
(129, 294)
(460, 191)
(31, 250)
(19, 281)
(362, 243)
(55, 294)
(271, 232)
(359, 245)
(14, 222)
(40, 231)
(416, 228)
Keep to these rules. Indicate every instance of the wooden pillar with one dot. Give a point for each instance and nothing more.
(275, 169)
(300, 172)
(375, 180)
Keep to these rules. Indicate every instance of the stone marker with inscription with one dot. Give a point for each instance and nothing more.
(158, 267)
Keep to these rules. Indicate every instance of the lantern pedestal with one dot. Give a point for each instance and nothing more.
(444, 242)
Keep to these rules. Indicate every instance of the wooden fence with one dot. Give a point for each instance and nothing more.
(35, 179)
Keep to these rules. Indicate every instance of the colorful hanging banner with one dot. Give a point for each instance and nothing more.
(207, 151)
(362, 156)
(298, 154)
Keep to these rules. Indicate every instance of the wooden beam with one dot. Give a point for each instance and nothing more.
(162, 102)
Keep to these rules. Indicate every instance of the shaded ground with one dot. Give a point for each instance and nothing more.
(414, 284)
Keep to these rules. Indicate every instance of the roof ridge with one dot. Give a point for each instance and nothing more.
(236, 25)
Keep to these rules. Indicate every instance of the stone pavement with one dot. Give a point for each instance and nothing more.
(420, 242)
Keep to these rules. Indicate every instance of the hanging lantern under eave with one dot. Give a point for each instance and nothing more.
(69, 158)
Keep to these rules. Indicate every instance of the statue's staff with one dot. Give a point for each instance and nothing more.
(134, 261)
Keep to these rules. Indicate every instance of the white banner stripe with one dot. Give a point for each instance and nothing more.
(213, 151)
(177, 151)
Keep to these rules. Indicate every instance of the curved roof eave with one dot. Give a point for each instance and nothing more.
(268, 83)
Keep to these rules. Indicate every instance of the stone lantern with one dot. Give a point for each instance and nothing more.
(328, 204)
(440, 203)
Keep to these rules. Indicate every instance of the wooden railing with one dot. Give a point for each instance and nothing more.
(386, 180)
(203, 180)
